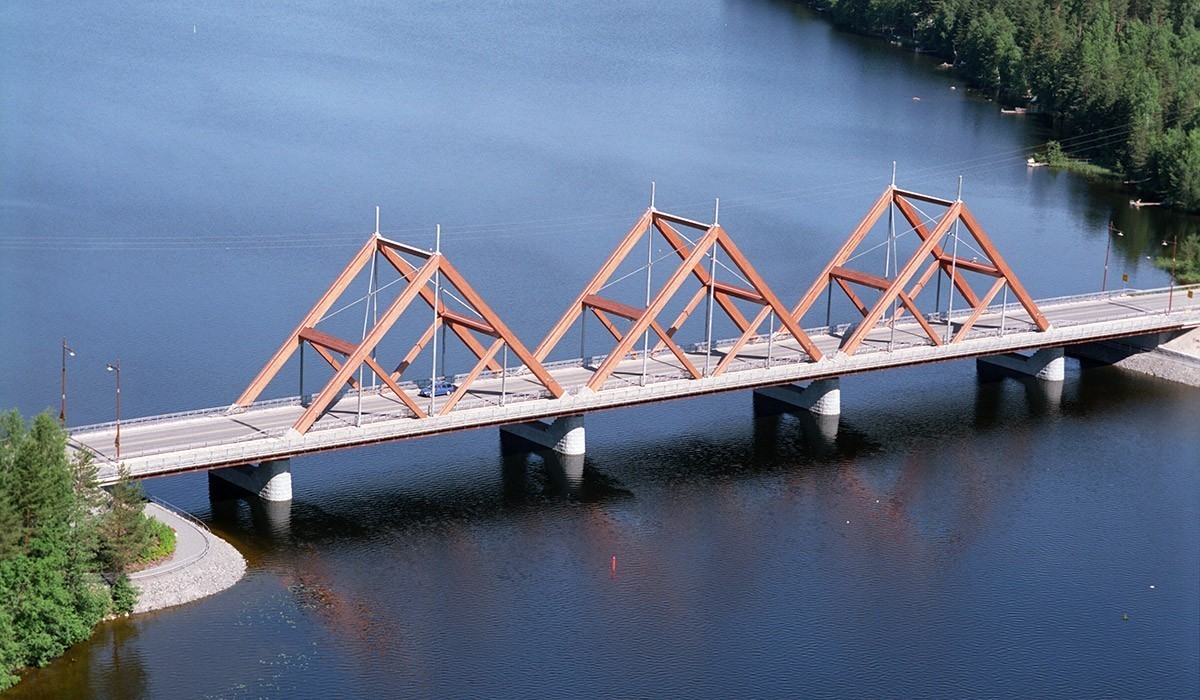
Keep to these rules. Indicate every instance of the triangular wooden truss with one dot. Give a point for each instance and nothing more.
(897, 290)
(646, 319)
(417, 277)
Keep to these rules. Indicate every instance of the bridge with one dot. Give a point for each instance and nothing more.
(252, 441)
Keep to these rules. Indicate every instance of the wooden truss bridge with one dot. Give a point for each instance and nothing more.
(372, 397)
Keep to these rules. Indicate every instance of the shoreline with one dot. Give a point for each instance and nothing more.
(1175, 360)
(202, 565)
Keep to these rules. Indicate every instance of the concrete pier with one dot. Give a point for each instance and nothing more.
(1048, 364)
(1174, 356)
(270, 480)
(565, 435)
(822, 397)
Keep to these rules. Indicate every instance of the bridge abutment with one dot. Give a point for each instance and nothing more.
(822, 397)
(1171, 355)
(565, 435)
(1047, 364)
(270, 480)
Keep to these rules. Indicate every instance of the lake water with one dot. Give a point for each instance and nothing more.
(181, 181)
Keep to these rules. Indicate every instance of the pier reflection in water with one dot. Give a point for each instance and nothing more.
(949, 537)
(953, 526)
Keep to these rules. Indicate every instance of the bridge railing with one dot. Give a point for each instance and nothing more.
(176, 565)
(781, 336)
(523, 405)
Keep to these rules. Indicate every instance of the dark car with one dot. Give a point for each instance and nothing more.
(440, 388)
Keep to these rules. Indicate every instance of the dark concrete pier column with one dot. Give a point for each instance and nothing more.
(565, 435)
(1047, 364)
(270, 480)
(822, 397)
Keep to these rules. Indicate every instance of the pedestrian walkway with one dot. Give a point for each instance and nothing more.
(203, 564)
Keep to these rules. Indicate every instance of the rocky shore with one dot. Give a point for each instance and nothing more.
(1176, 360)
(203, 564)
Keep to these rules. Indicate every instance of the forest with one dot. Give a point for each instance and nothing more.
(66, 544)
(1121, 78)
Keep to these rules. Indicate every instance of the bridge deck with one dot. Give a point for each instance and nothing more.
(210, 438)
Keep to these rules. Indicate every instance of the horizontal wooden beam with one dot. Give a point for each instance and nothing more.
(739, 292)
(325, 340)
(404, 248)
(970, 266)
(613, 307)
(681, 221)
(468, 322)
(860, 278)
(922, 197)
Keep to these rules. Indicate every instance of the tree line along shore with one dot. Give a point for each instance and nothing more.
(1120, 77)
(66, 545)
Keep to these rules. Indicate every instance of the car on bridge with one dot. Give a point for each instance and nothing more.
(439, 388)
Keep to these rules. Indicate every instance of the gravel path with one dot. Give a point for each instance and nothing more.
(203, 564)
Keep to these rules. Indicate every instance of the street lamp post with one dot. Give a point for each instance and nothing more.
(66, 350)
(1174, 250)
(1107, 248)
(117, 368)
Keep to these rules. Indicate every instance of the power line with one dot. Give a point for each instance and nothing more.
(550, 225)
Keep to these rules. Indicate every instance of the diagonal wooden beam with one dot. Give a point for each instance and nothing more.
(864, 227)
(606, 270)
(681, 247)
(471, 377)
(983, 303)
(415, 350)
(915, 220)
(533, 364)
(406, 270)
(323, 352)
(854, 299)
(656, 306)
(920, 284)
(902, 277)
(343, 280)
(683, 316)
(676, 351)
(608, 324)
(397, 307)
(320, 341)
(916, 313)
(1014, 284)
(742, 263)
(391, 384)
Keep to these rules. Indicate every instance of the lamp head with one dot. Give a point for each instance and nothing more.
(110, 368)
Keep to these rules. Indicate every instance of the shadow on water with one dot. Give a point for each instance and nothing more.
(773, 440)
(109, 665)
(530, 480)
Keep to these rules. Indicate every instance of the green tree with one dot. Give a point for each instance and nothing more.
(1186, 262)
(1175, 166)
(48, 597)
(125, 531)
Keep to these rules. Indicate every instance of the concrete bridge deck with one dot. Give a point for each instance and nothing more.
(210, 438)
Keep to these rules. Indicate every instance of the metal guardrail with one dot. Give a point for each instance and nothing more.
(789, 366)
(519, 370)
(174, 566)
